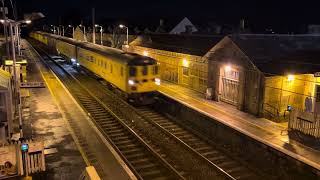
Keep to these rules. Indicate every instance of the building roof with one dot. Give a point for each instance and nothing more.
(281, 54)
(197, 45)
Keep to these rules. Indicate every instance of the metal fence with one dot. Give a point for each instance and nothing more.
(306, 122)
(284, 92)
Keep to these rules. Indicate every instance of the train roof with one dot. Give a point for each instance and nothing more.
(113, 53)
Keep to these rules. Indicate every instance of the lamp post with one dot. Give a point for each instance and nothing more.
(62, 29)
(72, 30)
(101, 31)
(84, 32)
(55, 29)
(123, 26)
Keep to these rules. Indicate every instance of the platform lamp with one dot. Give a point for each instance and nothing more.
(84, 32)
(123, 26)
(101, 31)
(72, 30)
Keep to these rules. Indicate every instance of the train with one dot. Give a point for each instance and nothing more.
(136, 77)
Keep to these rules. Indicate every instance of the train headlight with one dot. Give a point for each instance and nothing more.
(130, 82)
(157, 81)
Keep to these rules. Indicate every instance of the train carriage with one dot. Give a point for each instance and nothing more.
(135, 76)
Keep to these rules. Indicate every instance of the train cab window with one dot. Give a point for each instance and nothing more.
(155, 70)
(132, 71)
(145, 70)
(121, 71)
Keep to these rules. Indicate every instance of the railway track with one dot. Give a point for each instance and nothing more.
(202, 159)
(203, 147)
(143, 160)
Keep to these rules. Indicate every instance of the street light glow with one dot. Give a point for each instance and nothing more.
(185, 63)
(145, 53)
(28, 21)
(122, 26)
(227, 68)
(290, 77)
(2, 20)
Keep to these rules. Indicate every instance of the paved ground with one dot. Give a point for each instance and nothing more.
(266, 131)
(42, 119)
(64, 112)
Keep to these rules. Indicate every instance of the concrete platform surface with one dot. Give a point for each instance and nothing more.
(55, 115)
(268, 132)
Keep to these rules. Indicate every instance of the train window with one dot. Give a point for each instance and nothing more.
(155, 70)
(105, 65)
(111, 68)
(121, 71)
(132, 71)
(145, 70)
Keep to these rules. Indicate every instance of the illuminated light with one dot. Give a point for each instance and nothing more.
(157, 81)
(145, 53)
(130, 82)
(126, 46)
(73, 60)
(2, 20)
(121, 26)
(28, 21)
(185, 63)
(227, 68)
(290, 77)
(78, 64)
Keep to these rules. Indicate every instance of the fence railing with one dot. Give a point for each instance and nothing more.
(306, 122)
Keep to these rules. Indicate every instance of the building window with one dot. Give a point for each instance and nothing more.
(185, 71)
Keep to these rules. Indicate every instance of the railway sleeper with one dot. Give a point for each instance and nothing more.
(140, 162)
(151, 174)
(127, 146)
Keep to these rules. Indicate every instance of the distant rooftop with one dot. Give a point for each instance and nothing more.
(197, 45)
(281, 54)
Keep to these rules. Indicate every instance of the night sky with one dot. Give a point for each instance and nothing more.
(281, 15)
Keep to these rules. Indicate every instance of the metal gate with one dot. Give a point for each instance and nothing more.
(230, 90)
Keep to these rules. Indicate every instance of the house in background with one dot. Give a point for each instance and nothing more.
(184, 26)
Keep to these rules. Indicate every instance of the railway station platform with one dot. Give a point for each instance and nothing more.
(270, 133)
(72, 140)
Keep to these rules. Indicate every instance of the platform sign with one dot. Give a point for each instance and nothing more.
(316, 74)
